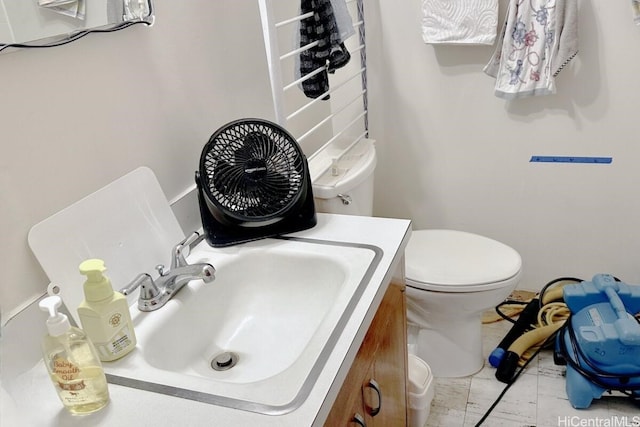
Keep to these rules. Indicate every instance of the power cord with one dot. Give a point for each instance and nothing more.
(508, 386)
(508, 302)
(549, 312)
(72, 37)
(546, 287)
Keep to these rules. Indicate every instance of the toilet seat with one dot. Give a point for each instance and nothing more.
(457, 261)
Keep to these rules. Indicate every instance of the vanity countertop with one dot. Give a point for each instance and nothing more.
(27, 397)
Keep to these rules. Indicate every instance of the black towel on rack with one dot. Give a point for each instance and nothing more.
(330, 51)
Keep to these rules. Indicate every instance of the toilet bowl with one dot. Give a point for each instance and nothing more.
(452, 277)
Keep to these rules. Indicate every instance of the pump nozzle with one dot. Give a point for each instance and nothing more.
(57, 323)
(51, 305)
(93, 269)
(97, 287)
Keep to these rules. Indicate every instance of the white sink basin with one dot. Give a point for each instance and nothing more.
(278, 306)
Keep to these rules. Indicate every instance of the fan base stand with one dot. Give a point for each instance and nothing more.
(218, 234)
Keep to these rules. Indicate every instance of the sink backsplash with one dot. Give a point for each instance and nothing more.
(128, 223)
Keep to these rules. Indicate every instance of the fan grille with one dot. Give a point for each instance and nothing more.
(253, 169)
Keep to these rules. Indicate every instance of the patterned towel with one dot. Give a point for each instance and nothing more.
(459, 21)
(539, 38)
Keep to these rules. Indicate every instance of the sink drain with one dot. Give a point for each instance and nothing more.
(224, 361)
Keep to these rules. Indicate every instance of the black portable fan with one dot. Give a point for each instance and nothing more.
(253, 183)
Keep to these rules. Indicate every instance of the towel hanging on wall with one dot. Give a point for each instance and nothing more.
(459, 21)
(539, 38)
(330, 50)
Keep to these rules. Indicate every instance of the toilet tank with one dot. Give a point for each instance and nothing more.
(343, 181)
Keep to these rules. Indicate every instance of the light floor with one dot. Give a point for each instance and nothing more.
(537, 398)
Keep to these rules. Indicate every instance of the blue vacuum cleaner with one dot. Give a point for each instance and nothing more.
(600, 343)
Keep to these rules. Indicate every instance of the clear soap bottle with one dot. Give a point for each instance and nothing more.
(73, 363)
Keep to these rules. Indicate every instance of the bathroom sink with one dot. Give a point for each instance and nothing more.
(258, 336)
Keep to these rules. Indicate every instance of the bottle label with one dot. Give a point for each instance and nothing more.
(66, 374)
(110, 333)
(119, 343)
(80, 390)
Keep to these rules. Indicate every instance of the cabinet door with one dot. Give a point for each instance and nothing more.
(385, 397)
(375, 387)
(348, 407)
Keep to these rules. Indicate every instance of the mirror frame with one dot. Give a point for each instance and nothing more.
(72, 36)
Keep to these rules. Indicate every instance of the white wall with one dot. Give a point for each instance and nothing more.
(453, 155)
(76, 117)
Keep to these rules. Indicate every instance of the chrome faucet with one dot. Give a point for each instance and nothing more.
(155, 293)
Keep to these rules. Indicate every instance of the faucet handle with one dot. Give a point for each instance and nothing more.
(148, 288)
(149, 292)
(160, 269)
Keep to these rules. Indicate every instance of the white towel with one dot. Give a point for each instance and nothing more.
(459, 21)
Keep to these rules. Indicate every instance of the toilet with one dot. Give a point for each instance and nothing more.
(451, 276)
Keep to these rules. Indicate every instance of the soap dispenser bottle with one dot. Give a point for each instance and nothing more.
(104, 313)
(73, 363)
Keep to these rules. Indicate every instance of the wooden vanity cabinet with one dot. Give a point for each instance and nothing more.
(374, 392)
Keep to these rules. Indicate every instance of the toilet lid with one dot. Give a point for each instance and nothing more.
(456, 261)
